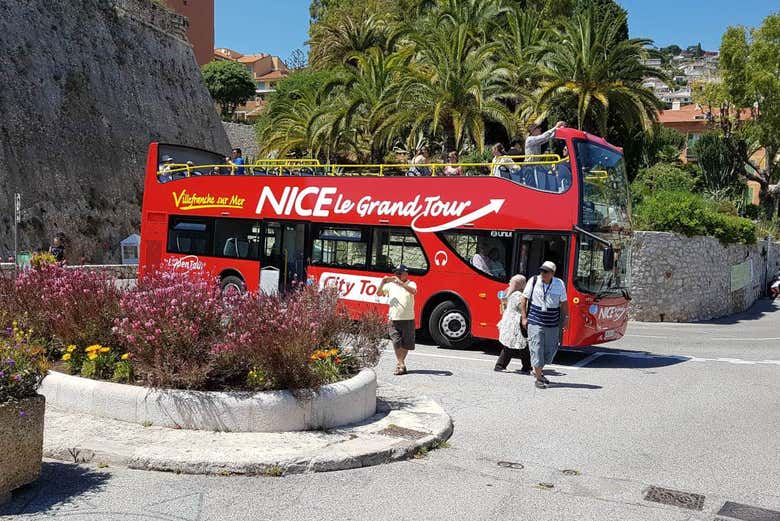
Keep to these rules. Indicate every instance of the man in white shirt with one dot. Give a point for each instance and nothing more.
(481, 259)
(536, 138)
(400, 292)
(545, 312)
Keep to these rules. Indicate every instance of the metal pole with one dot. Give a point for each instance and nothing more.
(17, 219)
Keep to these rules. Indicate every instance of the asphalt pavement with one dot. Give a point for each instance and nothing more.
(694, 408)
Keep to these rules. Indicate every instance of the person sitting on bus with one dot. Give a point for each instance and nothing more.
(191, 169)
(236, 160)
(422, 158)
(514, 149)
(164, 169)
(452, 168)
(562, 172)
(481, 259)
(496, 266)
(500, 165)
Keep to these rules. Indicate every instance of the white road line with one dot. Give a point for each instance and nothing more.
(738, 339)
(586, 361)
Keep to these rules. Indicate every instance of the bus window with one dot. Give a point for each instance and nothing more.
(189, 236)
(394, 246)
(487, 251)
(339, 247)
(237, 238)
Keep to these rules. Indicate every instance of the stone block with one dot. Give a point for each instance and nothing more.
(21, 443)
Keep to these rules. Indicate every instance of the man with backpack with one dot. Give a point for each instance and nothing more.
(545, 312)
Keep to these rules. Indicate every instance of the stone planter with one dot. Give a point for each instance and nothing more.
(333, 405)
(21, 443)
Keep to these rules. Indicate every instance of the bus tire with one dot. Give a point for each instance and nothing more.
(232, 283)
(449, 325)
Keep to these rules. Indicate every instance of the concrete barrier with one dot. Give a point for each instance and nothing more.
(333, 405)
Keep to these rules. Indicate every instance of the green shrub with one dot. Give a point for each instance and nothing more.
(752, 211)
(662, 177)
(689, 214)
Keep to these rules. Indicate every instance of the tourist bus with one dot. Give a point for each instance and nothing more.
(271, 224)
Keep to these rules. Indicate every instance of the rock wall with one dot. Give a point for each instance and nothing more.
(243, 137)
(685, 279)
(85, 85)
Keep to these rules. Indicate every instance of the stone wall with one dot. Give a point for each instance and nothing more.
(243, 137)
(85, 86)
(685, 279)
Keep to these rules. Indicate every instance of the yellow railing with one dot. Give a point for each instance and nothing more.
(280, 167)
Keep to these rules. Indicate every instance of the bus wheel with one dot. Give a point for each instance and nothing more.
(232, 284)
(448, 325)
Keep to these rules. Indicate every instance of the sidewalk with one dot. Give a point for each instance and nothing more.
(404, 424)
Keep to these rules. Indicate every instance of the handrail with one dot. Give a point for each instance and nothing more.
(279, 166)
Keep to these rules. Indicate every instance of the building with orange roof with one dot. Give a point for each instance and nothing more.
(692, 121)
(200, 14)
(266, 71)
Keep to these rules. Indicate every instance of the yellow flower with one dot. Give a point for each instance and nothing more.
(105, 349)
(92, 356)
(71, 348)
(92, 348)
(66, 356)
(333, 352)
(125, 356)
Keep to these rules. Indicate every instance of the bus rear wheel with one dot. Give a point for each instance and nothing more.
(449, 325)
(232, 284)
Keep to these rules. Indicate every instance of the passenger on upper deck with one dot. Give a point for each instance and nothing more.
(421, 158)
(236, 160)
(499, 159)
(452, 168)
(514, 149)
(164, 169)
(536, 138)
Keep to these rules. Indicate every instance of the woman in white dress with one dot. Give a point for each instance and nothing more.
(510, 332)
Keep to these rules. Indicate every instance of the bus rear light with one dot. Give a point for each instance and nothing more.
(483, 324)
(482, 295)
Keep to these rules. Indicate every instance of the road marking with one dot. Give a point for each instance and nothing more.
(739, 339)
(586, 361)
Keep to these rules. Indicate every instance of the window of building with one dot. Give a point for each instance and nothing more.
(237, 238)
(487, 251)
(189, 236)
(339, 246)
(393, 246)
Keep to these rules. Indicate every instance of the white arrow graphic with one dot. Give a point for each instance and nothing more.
(492, 207)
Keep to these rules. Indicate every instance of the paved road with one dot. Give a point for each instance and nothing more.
(690, 407)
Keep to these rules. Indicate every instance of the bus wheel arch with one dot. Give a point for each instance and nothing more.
(231, 280)
(448, 320)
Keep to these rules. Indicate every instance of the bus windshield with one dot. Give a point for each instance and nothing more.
(605, 214)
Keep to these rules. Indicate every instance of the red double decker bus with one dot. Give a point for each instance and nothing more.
(267, 225)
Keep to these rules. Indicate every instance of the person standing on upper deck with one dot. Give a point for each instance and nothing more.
(536, 138)
(236, 160)
(545, 313)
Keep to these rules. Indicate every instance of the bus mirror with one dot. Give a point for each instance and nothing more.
(609, 258)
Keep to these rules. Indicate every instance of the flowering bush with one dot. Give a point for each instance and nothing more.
(67, 306)
(169, 324)
(23, 365)
(38, 259)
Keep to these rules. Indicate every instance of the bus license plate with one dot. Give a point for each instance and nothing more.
(609, 334)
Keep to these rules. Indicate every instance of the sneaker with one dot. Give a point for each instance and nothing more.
(525, 370)
(498, 369)
(545, 380)
(399, 370)
(540, 384)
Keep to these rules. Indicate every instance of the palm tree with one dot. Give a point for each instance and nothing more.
(586, 66)
(340, 38)
(455, 82)
(367, 97)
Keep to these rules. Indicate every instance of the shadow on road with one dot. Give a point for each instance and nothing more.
(564, 385)
(433, 372)
(61, 487)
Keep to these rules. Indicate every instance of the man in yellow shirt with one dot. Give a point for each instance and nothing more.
(400, 292)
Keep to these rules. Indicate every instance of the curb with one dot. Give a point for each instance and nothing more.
(402, 426)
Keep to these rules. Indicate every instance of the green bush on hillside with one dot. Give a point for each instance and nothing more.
(689, 214)
(662, 177)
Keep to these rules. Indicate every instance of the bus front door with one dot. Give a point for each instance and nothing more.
(284, 249)
(536, 247)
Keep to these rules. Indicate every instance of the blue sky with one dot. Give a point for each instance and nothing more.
(279, 26)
